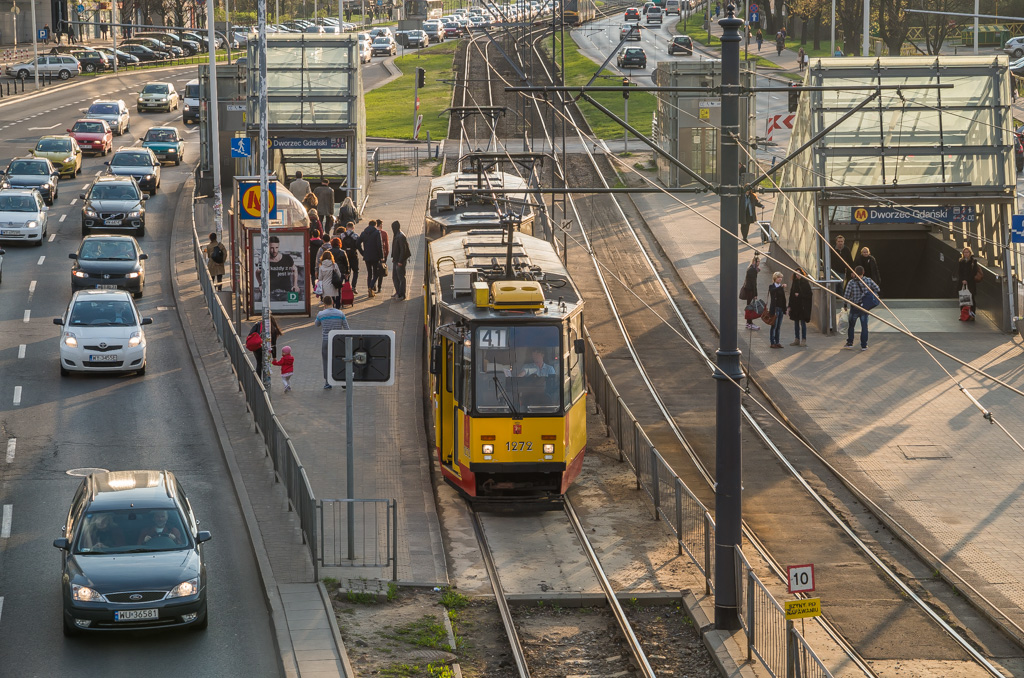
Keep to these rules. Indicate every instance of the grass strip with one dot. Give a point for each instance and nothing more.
(389, 109)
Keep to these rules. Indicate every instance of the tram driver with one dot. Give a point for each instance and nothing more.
(539, 367)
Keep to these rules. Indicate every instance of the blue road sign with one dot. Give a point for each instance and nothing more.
(1017, 228)
(41, 34)
(241, 147)
(80, 8)
(755, 17)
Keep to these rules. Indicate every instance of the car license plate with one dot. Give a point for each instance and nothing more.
(135, 615)
(111, 222)
(10, 232)
(103, 358)
(106, 287)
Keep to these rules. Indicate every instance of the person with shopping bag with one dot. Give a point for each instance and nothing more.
(970, 274)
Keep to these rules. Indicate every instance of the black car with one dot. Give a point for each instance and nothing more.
(123, 58)
(93, 61)
(156, 46)
(201, 40)
(187, 47)
(38, 173)
(109, 262)
(143, 53)
(632, 57)
(114, 203)
(132, 555)
(140, 163)
(681, 44)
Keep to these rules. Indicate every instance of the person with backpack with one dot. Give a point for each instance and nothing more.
(353, 246)
(254, 342)
(373, 252)
(216, 255)
(330, 278)
(860, 291)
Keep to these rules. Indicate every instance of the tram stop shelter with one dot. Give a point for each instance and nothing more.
(912, 170)
(315, 113)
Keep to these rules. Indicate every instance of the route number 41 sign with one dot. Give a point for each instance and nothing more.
(801, 578)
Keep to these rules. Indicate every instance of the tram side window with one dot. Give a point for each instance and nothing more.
(449, 366)
(518, 369)
(465, 397)
(577, 378)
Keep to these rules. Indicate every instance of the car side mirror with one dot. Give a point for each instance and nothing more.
(62, 544)
(2, 251)
(68, 131)
(204, 536)
(82, 196)
(579, 346)
(143, 256)
(107, 163)
(73, 255)
(145, 196)
(58, 321)
(147, 321)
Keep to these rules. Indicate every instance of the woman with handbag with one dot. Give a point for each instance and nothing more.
(748, 292)
(800, 306)
(330, 279)
(969, 273)
(776, 309)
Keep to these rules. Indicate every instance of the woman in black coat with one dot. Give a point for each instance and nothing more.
(800, 306)
(749, 290)
(967, 271)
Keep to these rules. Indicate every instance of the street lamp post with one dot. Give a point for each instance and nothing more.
(35, 42)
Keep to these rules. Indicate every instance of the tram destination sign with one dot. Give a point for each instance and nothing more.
(321, 143)
(912, 215)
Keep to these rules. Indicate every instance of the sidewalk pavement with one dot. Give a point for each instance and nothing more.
(889, 418)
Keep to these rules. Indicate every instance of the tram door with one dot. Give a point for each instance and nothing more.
(448, 415)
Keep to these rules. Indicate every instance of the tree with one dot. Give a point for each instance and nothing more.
(849, 15)
(893, 25)
(938, 27)
(807, 9)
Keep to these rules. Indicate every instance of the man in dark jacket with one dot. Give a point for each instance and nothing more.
(324, 199)
(340, 257)
(400, 254)
(373, 253)
(353, 247)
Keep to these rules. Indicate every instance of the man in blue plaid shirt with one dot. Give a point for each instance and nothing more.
(855, 291)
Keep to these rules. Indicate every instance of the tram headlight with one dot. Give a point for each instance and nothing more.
(487, 449)
(549, 448)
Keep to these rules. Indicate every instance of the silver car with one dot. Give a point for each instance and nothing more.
(62, 66)
(22, 215)
(115, 113)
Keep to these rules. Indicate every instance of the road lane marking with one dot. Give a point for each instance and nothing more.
(73, 201)
(41, 260)
(31, 289)
(11, 444)
(17, 395)
(21, 351)
(53, 236)
(5, 526)
(35, 128)
(28, 314)
(62, 218)
(1, 605)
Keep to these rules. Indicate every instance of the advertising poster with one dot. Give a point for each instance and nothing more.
(289, 281)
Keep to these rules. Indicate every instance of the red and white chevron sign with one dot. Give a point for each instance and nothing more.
(779, 122)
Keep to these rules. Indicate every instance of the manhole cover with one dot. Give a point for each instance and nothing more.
(85, 471)
(923, 452)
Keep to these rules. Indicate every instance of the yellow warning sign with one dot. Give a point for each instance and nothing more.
(705, 114)
(860, 215)
(806, 607)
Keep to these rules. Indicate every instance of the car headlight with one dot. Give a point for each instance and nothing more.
(89, 212)
(132, 275)
(31, 224)
(5, 184)
(187, 107)
(137, 336)
(148, 176)
(185, 588)
(86, 594)
(136, 213)
(70, 340)
(79, 274)
(70, 158)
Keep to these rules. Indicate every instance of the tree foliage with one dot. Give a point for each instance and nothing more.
(938, 27)
(893, 23)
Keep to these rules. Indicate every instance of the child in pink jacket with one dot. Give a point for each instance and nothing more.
(287, 364)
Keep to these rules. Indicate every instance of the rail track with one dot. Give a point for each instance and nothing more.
(640, 286)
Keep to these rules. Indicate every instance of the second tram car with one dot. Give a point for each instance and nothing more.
(506, 374)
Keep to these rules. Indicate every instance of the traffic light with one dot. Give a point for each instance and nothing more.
(794, 98)
(421, 77)
(625, 86)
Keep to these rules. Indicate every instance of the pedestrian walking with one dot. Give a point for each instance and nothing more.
(800, 306)
(316, 241)
(844, 265)
(373, 251)
(400, 254)
(104, 30)
(856, 291)
(385, 249)
(353, 246)
(299, 186)
(216, 255)
(718, 9)
(800, 60)
(46, 34)
(330, 279)
(780, 42)
(970, 274)
(870, 265)
(287, 365)
(329, 318)
(72, 37)
(748, 292)
(777, 308)
(340, 258)
(309, 202)
(347, 212)
(749, 215)
(760, 39)
(275, 332)
(325, 198)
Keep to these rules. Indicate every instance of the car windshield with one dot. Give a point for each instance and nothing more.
(105, 313)
(191, 91)
(103, 109)
(134, 530)
(53, 145)
(106, 250)
(517, 370)
(27, 168)
(18, 203)
(88, 127)
(154, 89)
(161, 135)
(114, 192)
(131, 160)
(381, 41)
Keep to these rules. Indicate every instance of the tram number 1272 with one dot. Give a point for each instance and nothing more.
(519, 446)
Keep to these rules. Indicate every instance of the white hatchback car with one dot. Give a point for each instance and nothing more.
(101, 331)
(22, 215)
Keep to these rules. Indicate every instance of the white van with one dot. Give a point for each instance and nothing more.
(674, 7)
(190, 102)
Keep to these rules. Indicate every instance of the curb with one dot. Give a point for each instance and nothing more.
(342, 650)
(717, 642)
(286, 651)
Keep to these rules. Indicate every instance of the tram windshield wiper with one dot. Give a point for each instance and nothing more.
(499, 389)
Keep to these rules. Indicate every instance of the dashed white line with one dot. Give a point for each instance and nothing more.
(1, 605)
(5, 526)
(41, 260)
(21, 351)
(31, 289)
(73, 201)
(17, 395)
(28, 314)
(99, 173)
(53, 236)
(61, 220)
(11, 444)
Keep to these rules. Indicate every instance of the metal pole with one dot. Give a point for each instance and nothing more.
(261, 22)
(728, 461)
(832, 26)
(350, 463)
(625, 135)
(867, 28)
(976, 10)
(113, 30)
(218, 201)
(227, 27)
(35, 42)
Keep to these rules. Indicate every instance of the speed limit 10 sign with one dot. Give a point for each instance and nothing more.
(801, 578)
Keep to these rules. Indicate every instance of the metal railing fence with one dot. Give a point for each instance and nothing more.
(782, 650)
(374, 530)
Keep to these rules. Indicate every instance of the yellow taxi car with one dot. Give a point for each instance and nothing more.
(62, 151)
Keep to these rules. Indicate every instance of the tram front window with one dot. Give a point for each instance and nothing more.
(518, 370)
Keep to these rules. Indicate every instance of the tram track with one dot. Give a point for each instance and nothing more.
(665, 407)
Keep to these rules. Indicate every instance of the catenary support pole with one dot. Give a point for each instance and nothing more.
(866, 39)
(728, 459)
(218, 201)
(350, 451)
(261, 22)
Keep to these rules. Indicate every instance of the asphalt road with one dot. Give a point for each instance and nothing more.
(111, 422)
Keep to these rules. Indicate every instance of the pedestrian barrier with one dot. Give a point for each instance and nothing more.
(374, 523)
(396, 160)
(780, 648)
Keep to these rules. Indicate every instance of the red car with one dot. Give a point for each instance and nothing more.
(93, 136)
(452, 30)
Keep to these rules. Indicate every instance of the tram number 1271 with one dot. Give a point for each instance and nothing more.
(519, 446)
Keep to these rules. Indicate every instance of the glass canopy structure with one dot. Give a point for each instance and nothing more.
(900, 150)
